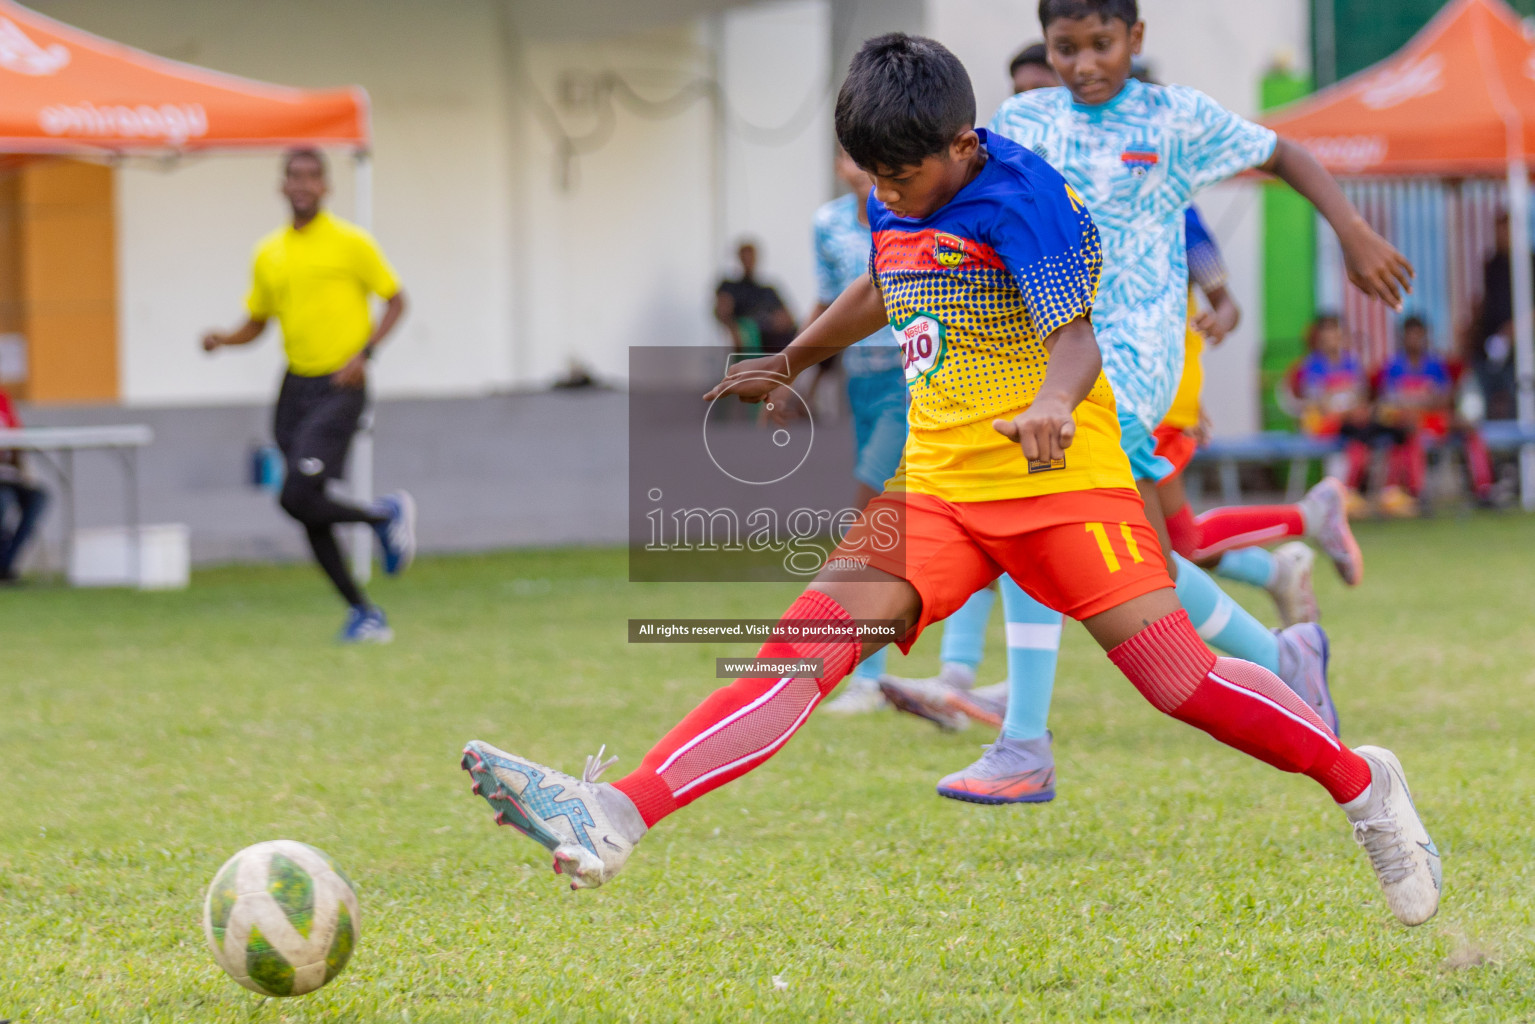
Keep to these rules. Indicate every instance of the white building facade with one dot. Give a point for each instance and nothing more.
(559, 182)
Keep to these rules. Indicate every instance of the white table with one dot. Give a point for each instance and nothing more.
(57, 447)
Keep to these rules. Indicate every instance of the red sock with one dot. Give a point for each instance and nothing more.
(1479, 462)
(738, 727)
(1239, 703)
(1183, 532)
(1244, 526)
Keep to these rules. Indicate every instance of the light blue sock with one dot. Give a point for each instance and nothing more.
(964, 632)
(1221, 621)
(1033, 642)
(873, 666)
(1247, 565)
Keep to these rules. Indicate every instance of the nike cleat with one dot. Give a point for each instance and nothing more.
(589, 826)
(397, 534)
(1304, 654)
(1009, 772)
(1291, 586)
(1325, 512)
(1387, 825)
(984, 704)
(925, 698)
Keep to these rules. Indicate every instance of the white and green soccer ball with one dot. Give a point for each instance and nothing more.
(281, 918)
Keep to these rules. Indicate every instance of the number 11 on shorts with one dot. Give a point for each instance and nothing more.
(1106, 547)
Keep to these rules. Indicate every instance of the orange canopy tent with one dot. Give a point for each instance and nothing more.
(1457, 100)
(67, 91)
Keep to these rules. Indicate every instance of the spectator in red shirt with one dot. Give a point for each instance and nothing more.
(16, 488)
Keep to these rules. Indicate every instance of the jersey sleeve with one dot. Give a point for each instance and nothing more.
(1051, 247)
(1206, 267)
(374, 269)
(260, 303)
(1219, 144)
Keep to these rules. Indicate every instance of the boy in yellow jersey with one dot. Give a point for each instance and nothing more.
(315, 277)
(986, 266)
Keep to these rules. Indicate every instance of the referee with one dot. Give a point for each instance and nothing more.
(315, 277)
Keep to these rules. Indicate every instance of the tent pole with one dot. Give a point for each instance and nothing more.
(361, 540)
(1524, 317)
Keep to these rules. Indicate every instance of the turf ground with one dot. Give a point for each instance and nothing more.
(145, 737)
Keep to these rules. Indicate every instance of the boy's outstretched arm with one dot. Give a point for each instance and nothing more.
(1045, 429)
(1373, 263)
(855, 314)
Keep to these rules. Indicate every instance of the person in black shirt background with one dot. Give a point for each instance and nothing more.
(751, 311)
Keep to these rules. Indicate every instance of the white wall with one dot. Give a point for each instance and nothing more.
(777, 73)
(1219, 47)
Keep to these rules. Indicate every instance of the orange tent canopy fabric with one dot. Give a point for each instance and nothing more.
(1458, 99)
(63, 90)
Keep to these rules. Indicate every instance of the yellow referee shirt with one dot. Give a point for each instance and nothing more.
(316, 281)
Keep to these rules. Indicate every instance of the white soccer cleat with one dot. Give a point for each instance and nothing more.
(1388, 827)
(589, 826)
(1324, 510)
(860, 695)
(1291, 586)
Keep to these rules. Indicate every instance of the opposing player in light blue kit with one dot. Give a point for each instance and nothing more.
(1137, 153)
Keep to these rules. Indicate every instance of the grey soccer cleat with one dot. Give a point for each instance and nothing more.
(1387, 825)
(1324, 510)
(1009, 772)
(985, 704)
(1291, 586)
(1303, 657)
(925, 698)
(589, 826)
(860, 695)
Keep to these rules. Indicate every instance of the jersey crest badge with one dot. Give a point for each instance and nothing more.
(1139, 161)
(948, 250)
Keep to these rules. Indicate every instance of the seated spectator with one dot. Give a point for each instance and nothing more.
(1334, 395)
(1415, 401)
(16, 489)
(753, 313)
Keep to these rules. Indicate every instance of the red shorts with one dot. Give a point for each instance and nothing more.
(1176, 446)
(1079, 552)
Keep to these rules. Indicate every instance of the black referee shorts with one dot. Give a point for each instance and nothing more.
(314, 424)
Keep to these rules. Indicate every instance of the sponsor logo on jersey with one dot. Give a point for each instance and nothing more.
(922, 343)
(1046, 465)
(948, 250)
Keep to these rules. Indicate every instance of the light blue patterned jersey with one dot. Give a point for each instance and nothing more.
(1137, 161)
(842, 248)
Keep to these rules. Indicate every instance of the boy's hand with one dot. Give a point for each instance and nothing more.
(1044, 430)
(1374, 265)
(752, 380)
(1213, 325)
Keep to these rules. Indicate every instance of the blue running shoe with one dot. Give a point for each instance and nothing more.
(589, 826)
(397, 534)
(1303, 658)
(366, 626)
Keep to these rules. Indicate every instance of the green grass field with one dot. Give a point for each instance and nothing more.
(145, 737)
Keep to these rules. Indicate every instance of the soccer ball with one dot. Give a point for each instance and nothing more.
(281, 918)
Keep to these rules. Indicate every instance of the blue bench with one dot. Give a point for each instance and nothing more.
(1276, 446)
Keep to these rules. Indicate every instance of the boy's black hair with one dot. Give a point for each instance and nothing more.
(304, 153)
(905, 99)
(1125, 10)
(1034, 53)
(1318, 322)
(1413, 321)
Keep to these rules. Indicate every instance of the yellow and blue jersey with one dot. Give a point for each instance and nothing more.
(1207, 270)
(972, 292)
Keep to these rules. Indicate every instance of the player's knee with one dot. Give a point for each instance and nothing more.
(300, 496)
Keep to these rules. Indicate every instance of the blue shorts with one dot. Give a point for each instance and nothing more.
(878, 401)
(1141, 446)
